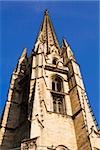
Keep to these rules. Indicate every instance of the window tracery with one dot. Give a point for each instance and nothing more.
(58, 97)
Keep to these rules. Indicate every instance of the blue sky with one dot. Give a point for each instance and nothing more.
(76, 21)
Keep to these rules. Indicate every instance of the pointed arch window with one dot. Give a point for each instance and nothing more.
(58, 97)
(57, 84)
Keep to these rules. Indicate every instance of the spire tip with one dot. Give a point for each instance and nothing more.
(46, 12)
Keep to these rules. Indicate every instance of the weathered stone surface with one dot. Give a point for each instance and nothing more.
(42, 112)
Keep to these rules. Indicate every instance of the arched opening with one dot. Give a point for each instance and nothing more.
(61, 147)
(57, 84)
(57, 95)
(54, 61)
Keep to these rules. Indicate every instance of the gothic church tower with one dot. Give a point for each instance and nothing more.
(47, 106)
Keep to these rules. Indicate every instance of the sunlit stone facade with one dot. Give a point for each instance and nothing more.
(47, 106)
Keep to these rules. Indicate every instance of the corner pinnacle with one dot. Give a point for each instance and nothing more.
(24, 53)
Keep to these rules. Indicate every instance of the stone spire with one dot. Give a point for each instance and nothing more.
(47, 35)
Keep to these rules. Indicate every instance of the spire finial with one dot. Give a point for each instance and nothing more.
(46, 12)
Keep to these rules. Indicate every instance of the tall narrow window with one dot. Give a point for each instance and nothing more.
(58, 97)
(57, 84)
(53, 86)
(54, 106)
(60, 106)
(58, 101)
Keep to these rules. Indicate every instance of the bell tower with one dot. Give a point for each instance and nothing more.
(54, 112)
(51, 106)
